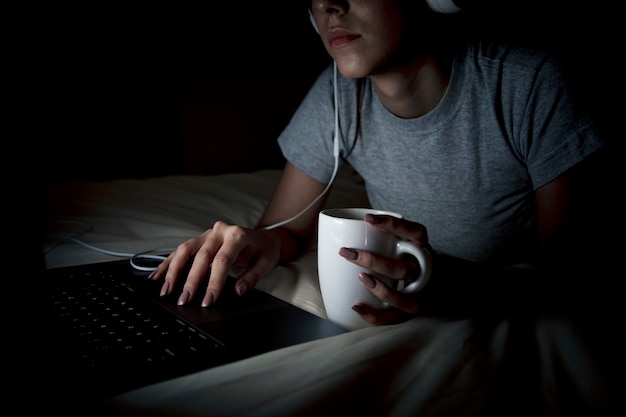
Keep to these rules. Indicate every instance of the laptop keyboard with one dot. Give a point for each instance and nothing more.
(112, 327)
(107, 331)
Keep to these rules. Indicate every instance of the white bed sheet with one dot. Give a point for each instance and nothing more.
(424, 367)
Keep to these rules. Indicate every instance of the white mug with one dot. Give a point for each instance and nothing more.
(339, 278)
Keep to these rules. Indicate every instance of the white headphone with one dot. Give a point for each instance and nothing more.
(446, 6)
(439, 6)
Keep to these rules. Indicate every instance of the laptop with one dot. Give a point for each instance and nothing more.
(109, 331)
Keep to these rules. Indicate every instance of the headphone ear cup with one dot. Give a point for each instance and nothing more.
(313, 22)
(444, 6)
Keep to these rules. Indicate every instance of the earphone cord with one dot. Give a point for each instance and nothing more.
(134, 258)
(335, 154)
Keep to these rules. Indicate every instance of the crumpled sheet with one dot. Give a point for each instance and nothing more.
(546, 366)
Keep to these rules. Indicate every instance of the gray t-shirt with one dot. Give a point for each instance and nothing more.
(468, 169)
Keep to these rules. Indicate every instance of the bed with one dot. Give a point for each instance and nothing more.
(428, 366)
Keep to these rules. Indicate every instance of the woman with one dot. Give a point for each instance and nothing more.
(477, 144)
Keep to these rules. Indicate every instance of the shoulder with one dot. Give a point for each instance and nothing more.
(508, 55)
(514, 67)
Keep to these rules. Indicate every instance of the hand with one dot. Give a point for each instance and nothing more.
(401, 305)
(224, 248)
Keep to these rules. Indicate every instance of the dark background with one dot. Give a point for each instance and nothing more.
(162, 89)
(129, 91)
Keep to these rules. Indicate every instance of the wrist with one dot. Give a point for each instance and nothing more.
(287, 243)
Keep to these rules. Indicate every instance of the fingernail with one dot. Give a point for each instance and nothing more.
(358, 308)
(242, 288)
(349, 254)
(165, 288)
(208, 300)
(184, 297)
(151, 274)
(370, 218)
(367, 280)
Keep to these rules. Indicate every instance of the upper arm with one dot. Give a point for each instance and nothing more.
(554, 202)
(568, 210)
(295, 191)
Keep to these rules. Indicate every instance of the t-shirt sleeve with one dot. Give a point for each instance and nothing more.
(307, 140)
(556, 131)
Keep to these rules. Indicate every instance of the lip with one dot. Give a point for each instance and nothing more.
(339, 37)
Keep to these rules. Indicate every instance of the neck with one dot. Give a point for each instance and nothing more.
(415, 88)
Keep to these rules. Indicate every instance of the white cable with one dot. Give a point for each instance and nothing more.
(145, 256)
(133, 257)
(87, 226)
(335, 154)
(108, 252)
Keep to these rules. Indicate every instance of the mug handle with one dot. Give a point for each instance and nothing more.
(425, 260)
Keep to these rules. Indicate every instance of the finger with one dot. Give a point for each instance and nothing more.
(179, 265)
(256, 261)
(251, 276)
(232, 243)
(399, 269)
(198, 274)
(406, 229)
(397, 299)
(172, 268)
(161, 268)
(377, 316)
